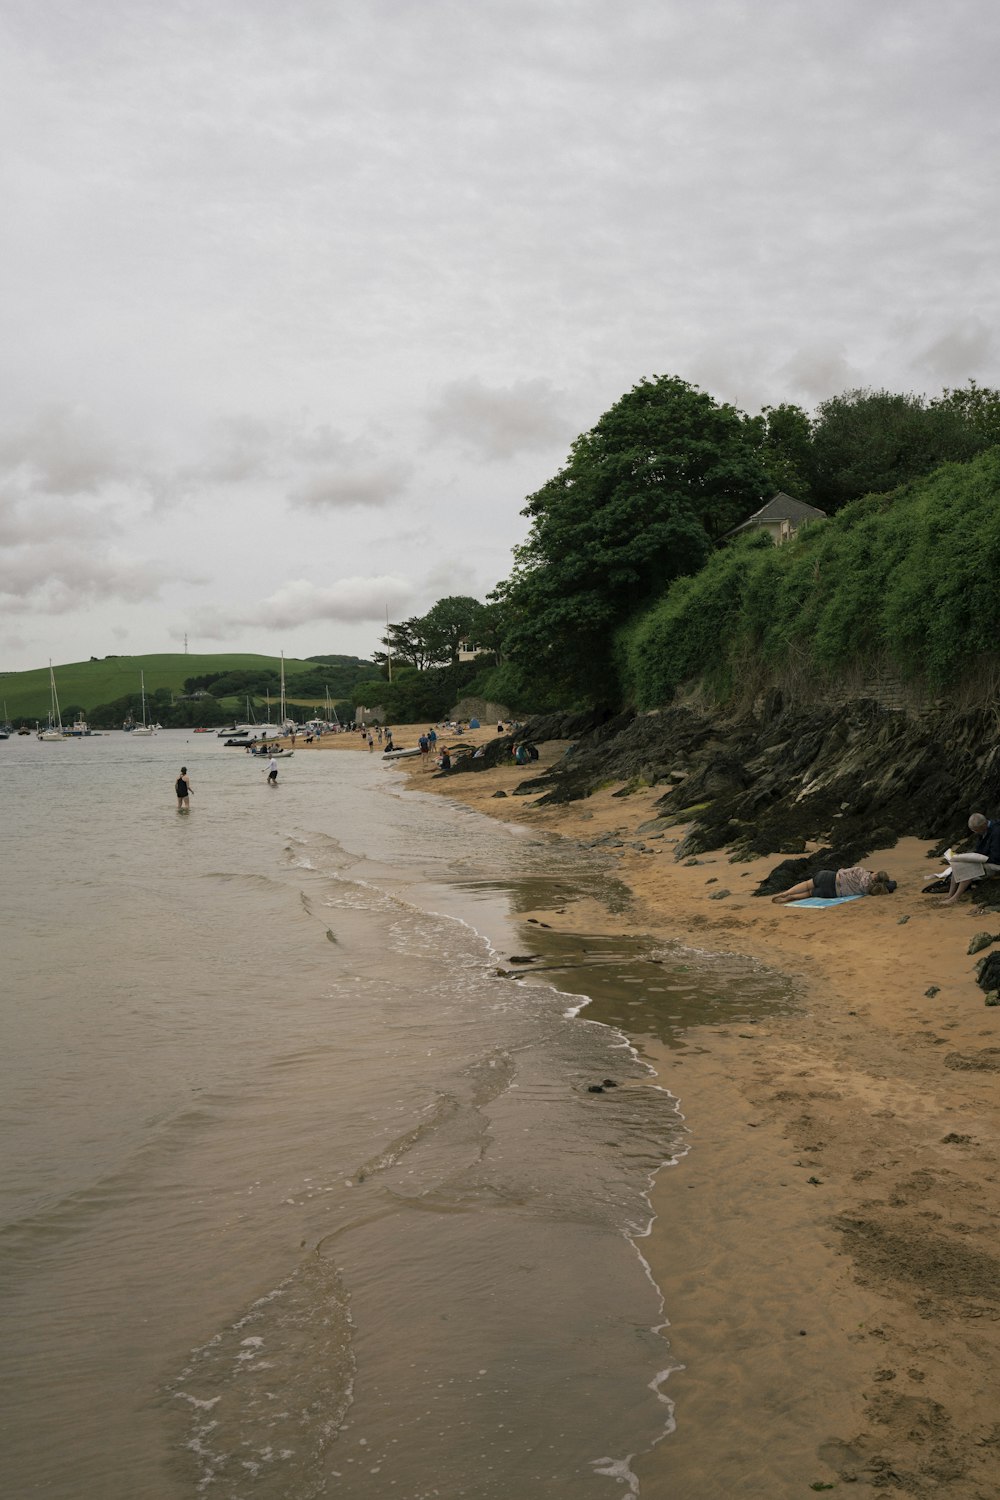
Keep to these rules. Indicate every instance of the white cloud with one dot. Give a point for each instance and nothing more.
(301, 602)
(335, 489)
(496, 422)
(59, 579)
(61, 450)
(969, 346)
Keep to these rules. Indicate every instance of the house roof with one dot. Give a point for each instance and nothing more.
(781, 507)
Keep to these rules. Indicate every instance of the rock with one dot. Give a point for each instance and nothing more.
(595, 1088)
(901, 921)
(935, 989)
(521, 958)
(986, 895)
(719, 895)
(784, 876)
(980, 941)
(988, 972)
(499, 794)
(780, 774)
(993, 997)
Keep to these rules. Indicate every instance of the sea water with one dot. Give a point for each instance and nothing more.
(301, 1192)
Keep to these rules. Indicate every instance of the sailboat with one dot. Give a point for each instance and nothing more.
(143, 728)
(55, 729)
(6, 727)
(286, 723)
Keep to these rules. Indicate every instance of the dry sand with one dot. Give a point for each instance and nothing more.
(828, 1247)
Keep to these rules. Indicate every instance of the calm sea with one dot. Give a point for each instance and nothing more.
(299, 1196)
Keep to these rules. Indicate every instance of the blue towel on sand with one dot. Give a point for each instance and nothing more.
(822, 901)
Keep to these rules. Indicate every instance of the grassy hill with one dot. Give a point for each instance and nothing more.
(907, 579)
(92, 682)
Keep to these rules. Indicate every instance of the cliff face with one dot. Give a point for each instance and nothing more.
(853, 777)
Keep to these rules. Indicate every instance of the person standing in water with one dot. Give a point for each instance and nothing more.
(182, 787)
(272, 771)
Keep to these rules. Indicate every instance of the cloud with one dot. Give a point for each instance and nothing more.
(318, 467)
(59, 579)
(62, 451)
(337, 488)
(821, 370)
(301, 602)
(497, 422)
(969, 346)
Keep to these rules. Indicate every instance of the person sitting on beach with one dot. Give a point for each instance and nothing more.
(982, 861)
(829, 884)
(444, 761)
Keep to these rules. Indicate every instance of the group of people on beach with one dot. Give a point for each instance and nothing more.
(857, 880)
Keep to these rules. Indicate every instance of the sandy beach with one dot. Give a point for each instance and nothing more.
(830, 1269)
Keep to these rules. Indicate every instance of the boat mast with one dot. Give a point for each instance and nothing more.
(55, 717)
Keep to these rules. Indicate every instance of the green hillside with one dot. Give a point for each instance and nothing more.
(89, 683)
(906, 578)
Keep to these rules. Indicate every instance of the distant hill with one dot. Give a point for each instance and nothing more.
(90, 683)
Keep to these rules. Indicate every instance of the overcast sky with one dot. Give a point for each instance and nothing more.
(300, 300)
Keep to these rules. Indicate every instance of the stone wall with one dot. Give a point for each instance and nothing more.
(480, 708)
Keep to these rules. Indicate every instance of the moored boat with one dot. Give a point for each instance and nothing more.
(55, 729)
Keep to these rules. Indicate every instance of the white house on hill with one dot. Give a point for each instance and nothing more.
(781, 517)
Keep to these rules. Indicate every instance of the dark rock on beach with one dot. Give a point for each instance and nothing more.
(988, 972)
(852, 777)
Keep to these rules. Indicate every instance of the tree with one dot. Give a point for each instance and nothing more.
(448, 623)
(782, 436)
(642, 498)
(869, 442)
(405, 643)
(979, 407)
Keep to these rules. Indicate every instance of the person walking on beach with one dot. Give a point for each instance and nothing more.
(272, 772)
(425, 746)
(182, 787)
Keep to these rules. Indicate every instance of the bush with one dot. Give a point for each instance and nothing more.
(908, 577)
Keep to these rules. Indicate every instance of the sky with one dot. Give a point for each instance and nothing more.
(301, 299)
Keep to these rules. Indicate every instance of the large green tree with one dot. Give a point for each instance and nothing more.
(449, 623)
(641, 500)
(782, 436)
(869, 442)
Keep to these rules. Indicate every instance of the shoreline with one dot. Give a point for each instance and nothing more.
(833, 1299)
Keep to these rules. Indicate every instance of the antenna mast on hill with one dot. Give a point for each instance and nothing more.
(185, 643)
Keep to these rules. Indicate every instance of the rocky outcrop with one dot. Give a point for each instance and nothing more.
(854, 778)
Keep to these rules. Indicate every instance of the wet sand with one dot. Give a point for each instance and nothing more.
(830, 1268)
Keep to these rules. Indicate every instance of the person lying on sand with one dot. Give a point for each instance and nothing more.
(984, 860)
(828, 884)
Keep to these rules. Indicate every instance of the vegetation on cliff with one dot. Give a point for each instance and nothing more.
(625, 585)
(907, 578)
